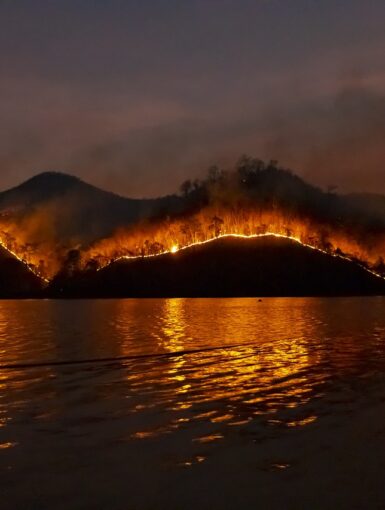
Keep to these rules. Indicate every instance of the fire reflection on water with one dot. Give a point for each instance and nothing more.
(201, 369)
(172, 333)
(240, 382)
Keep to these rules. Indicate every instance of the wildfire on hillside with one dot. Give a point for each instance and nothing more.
(173, 235)
(254, 200)
(150, 239)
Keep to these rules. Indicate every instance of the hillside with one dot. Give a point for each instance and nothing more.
(54, 218)
(16, 280)
(226, 267)
(72, 211)
(65, 210)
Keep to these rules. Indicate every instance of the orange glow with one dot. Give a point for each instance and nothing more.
(171, 235)
(227, 374)
(31, 267)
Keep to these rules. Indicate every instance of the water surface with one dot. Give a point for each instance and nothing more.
(171, 381)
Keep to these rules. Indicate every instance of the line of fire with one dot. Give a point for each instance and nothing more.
(244, 203)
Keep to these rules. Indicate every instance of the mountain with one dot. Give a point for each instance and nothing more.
(16, 280)
(72, 211)
(266, 266)
(55, 220)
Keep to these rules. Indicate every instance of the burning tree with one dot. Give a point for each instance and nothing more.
(216, 225)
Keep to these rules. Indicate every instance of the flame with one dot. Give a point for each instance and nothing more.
(175, 249)
(155, 238)
(29, 266)
(171, 236)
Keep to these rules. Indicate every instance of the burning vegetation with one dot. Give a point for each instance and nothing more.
(252, 200)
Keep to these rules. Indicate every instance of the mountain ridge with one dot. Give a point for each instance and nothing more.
(80, 212)
(226, 267)
(60, 218)
(46, 186)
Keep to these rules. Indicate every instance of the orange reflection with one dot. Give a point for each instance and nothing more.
(241, 382)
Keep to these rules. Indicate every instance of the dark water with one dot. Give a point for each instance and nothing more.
(183, 372)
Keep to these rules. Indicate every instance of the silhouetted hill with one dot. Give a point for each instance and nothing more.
(268, 185)
(76, 212)
(16, 280)
(54, 216)
(41, 187)
(71, 212)
(227, 267)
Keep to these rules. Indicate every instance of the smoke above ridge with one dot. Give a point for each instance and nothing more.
(329, 140)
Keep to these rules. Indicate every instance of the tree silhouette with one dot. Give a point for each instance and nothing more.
(216, 225)
(186, 187)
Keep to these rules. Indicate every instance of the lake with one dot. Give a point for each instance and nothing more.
(192, 403)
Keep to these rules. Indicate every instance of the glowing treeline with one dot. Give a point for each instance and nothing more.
(42, 257)
(171, 235)
(152, 238)
(254, 199)
(14, 251)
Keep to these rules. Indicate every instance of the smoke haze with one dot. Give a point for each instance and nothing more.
(136, 97)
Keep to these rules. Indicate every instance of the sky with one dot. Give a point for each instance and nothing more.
(137, 96)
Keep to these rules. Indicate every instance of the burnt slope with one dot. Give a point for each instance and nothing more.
(16, 280)
(227, 267)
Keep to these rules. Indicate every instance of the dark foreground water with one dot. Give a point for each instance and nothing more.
(132, 404)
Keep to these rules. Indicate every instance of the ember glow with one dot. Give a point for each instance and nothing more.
(175, 249)
(29, 265)
(172, 236)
